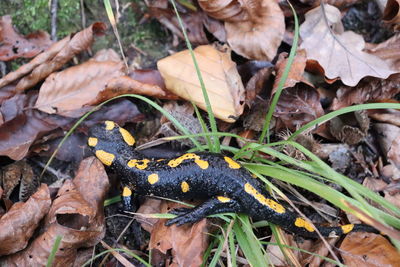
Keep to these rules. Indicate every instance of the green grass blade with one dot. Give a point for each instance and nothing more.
(53, 251)
(345, 110)
(213, 123)
(268, 117)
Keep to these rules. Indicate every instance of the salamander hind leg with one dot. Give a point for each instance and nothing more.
(212, 206)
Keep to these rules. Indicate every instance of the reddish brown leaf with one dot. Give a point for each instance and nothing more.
(19, 223)
(76, 215)
(254, 28)
(297, 106)
(296, 70)
(23, 125)
(368, 90)
(13, 45)
(53, 59)
(391, 14)
(368, 249)
(188, 242)
(192, 21)
(339, 52)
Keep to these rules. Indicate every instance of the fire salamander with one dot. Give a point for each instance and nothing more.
(222, 182)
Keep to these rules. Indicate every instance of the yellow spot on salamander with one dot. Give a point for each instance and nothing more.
(105, 157)
(263, 200)
(300, 222)
(160, 160)
(92, 141)
(201, 163)
(109, 125)
(254, 176)
(232, 164)
(185, 187)
(153, 178)
(126, 192)
(223, 199)
(140, 164)
(176, 162)
(347, 228)
(128, 138)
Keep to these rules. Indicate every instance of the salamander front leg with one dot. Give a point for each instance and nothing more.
(212, 206)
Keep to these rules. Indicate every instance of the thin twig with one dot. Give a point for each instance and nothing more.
(53, 14)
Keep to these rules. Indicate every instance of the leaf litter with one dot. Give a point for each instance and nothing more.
(334, 69)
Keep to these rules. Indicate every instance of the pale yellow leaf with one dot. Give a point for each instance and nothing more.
(221, 79)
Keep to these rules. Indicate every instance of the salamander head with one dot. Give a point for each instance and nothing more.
(109, 141)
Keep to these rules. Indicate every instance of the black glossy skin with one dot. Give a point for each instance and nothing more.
(211, 183)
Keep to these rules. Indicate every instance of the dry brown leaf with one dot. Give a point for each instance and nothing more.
(391, 14)
(368, 90)
(296, 72)
(58, 54)
(13, 45)
(19, 223)
(222, 81)
(254, 28)
(368, 249)
(188, 242)
(76, 215)
(388, 50)
(336, 3)
(69, 93)
(297, 106)
(23, 125)
(339, 52)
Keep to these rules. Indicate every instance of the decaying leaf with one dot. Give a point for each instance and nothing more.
(368, 90)
(389, 141)
(254, 28)
(222, 81)
(76, 215)
(391, 14)
(391, 116)
(19, 223)
(23, 125)
(19, 177)
(13, 45)
(368, 249)
(297, 106)
(54, 58)
(350, 128)
(188, 242)
(338, 52)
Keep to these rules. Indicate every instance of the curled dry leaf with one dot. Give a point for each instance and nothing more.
(368, 249)
(387, 50)
(188, 242)
(76, 215)
(70, 93)
(338, 52)
(19, 223)
(13, 45)
(368, 90)
(221, 79)
(296, 70)
(297, 106)
(254, 28)
(391, 14)
(53, 59)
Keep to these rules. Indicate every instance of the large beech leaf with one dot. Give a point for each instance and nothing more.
(254, 28)
(338, 52)
(222, 81)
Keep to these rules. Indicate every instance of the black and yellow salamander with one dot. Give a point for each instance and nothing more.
(222, 182)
